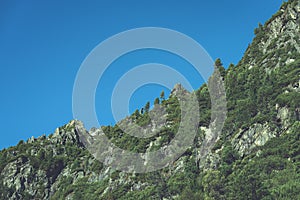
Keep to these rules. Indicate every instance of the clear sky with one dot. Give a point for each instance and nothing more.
(43, 43)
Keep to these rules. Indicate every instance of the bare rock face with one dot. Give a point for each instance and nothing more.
(279, 34)
(19, 176)
(179, 90)
(257, 135)
(67, 134)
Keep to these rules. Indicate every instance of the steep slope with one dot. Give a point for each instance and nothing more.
(263, 89)
(256, 157)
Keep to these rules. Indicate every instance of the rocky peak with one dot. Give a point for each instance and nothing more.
(178, 90)
(277, 37)
(68, 133)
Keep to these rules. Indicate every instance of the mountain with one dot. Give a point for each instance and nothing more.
(257, 155)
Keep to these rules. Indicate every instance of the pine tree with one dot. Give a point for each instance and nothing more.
(156, 101)
(219, 66)
(147, 107)
(162, 95)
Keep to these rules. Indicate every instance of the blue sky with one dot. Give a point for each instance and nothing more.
(43, 43)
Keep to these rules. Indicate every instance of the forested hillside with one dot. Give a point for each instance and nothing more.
(257, 155)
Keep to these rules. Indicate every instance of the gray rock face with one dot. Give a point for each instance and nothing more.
(20, 176)
(179, 90)
(67, 134)
(280, 34)
(257, 135)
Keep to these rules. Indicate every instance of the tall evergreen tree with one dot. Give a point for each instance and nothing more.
(156, 101)
(147, 107)
(162, 95)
